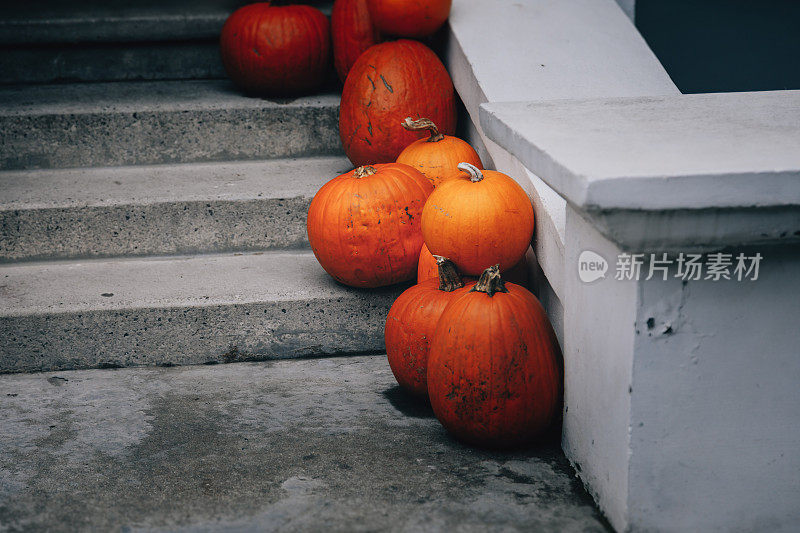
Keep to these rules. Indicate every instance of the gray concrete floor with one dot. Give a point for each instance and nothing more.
(321, 444)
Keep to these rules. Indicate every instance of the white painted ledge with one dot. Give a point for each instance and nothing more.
(665, 172)
(539, 50)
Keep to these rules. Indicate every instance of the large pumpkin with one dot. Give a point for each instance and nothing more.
(352, 31)
(389, 82)
(437, 156)
(409, 18)
(364, 226)
(478, 219)
(494, 366)
(410, 325)
(276, 50)
(427, 269)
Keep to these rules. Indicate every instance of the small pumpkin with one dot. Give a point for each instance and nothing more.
(494, 365)
(478, 219)
(410, 18)
(437, 156)
(276, 50)
(387, 83)
(364, 226)
(352, 31)
(410, 325)
(426, 269)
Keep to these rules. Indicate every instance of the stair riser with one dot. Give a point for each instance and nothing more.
(156, 229)
(193, 335)
(135, 138)
(111, 62)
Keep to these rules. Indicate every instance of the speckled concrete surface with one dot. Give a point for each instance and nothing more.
(112, 61)
(313, 445)
(134, 123)
(182, 310)
(160, 209)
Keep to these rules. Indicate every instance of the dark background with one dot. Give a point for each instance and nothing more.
(724, 45)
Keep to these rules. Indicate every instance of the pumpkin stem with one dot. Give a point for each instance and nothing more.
(363, 172)
(423, 124)
(449, 280)
(490, 282)
(475, 175)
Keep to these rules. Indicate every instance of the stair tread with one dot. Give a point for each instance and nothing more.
(159, 122)
(166, 282)
(144, 184)
(143, 96)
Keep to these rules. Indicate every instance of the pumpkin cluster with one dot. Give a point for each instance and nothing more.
(285, 50)
(482, 352)
(417, 204)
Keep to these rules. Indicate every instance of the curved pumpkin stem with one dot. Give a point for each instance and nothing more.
(475, 174)
(449, 280)
(490, 282)
(363, 172)
(423, 124)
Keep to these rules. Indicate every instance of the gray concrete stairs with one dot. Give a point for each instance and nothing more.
(100, 40)
(162, 222)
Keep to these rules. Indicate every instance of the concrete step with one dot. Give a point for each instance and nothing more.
(111, 62)
(48, 41)
(182, 310)
(107, 41)
(163, 209)
(133, 123)
(313, 445)
(118, 21)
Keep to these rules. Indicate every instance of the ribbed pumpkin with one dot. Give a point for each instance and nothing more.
(386, 84)
(409, 18)
(478, 219)
(352, 31)
(437, 156)
(410, 325)
(364, 226)
(427, 269)
(276, 50)
(494, 366)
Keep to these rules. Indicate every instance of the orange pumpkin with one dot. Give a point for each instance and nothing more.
(364, 226)
(426, 269)
(437, 156)
(276, 50)
(409, 18)
(386, 84)
(352, 31)
(410, 325)
(478, 219)
(494, 365)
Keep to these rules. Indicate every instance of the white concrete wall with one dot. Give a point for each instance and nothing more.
(715, 418)
(599, 349)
